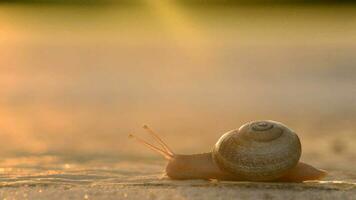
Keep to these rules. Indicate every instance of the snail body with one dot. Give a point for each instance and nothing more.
(257, 151)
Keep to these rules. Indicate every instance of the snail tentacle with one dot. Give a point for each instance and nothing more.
(158, 139)
(165, 154)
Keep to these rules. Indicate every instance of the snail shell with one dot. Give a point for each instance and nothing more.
(258, 151)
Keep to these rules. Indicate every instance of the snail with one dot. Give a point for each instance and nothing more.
(257, 151)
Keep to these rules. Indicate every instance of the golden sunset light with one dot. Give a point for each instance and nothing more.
(256, 99)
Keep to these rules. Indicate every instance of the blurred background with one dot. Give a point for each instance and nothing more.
(76, 77)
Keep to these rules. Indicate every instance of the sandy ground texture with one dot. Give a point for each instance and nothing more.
(186, 190)
(146, 182)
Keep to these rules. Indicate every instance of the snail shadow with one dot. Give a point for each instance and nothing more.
(329, 183)
(192, 189)
(306, 185)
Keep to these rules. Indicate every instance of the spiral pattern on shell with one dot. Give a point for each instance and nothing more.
(258, 151)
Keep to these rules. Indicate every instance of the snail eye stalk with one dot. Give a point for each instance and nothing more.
(164, 149)
(158, 139)
(152, 147)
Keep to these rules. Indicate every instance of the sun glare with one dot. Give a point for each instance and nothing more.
(187, 35)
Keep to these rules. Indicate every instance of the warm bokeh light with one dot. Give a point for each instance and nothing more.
(76, 80)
